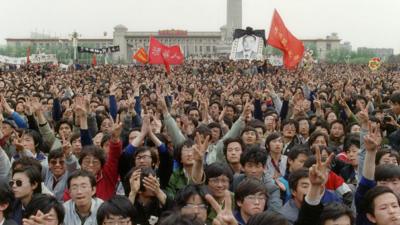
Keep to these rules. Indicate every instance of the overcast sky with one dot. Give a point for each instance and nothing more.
(371, 23)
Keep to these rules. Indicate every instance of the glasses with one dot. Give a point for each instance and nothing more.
(253, 198)
(117, 222)
(218, 180)
(89, 161)
(144, 157)
(55, 161)
(194, 206)
(16, 182)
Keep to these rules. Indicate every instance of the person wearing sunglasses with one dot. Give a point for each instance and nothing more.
(61, 163)
(44, 210)
(116, 211)
(25, 183)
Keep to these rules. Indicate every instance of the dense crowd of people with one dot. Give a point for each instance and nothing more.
(213, 142)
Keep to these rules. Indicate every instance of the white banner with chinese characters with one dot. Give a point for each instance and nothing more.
(34, 58)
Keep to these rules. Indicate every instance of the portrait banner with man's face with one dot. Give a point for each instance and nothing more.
(247, 47)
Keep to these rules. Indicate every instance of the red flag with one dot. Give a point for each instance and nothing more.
(141, 56)
(281, 38)
(28, 54)
(158, 51)
(94, 60)
(155, 51)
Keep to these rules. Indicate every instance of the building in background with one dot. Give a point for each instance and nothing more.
(383, 53)
(193, 44)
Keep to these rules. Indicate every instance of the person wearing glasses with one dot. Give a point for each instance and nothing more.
(94, 160)
(61, 163)
(82, 208)
(44, 210)
(191, 201)
(116, 211)
(25, 183)
(251, 198)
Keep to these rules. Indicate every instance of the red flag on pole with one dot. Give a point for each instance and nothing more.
(28, 54)
(94, 60)
(141, 56)
(281, 38)
(155, 51)
(162, 54)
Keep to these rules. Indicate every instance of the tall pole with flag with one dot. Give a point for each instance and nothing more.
(281, 38)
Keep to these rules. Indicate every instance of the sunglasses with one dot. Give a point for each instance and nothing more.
(54, 162)
(17, 182)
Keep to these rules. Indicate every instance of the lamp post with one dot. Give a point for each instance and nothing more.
(75, 43)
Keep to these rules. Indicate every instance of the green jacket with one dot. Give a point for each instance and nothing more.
(177, 181)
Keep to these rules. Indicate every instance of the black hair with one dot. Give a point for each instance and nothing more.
(271, 137)
(249, 186)
(45, 203)
(145, 172)
(34, 175)
(339, 122)
(217, 169)
(387, 172)
(178, 151)
(314, 137)
(368, 205)
(6, 197)
(395, 98)
(116, 206)
(96, 152)
(334, 210)
(55, 154)
(349, 140)
(37, 138)
(232, 140)
(61, 122)
(75, 136)
(386, 151)
(26, 162)
(258, 124)
(203, 130)
(81, 173)
(106, 137)
(153, 153)
(295, 176)
(188, 191)
(176, 218)
(215, 125)
(247, 129)
(255, 155)
(270, 218)
(290, 122)
(298, 150)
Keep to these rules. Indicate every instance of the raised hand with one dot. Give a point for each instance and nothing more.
(200, 148)
(363, 117)
(134, 181)
(246, 113)
(373, 139)
(113, 89)
(6, 107)
(80, 107)
(116, 129)
(319, 172)
(38, 219)
(66, 146)
(224, 216)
